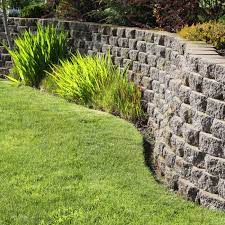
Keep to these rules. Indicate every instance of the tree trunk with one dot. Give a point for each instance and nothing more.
(5, 22)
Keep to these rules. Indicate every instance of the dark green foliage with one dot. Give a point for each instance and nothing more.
(211, 10)
(131, 13)
(22, 3)
(33, 11)
(174, 14)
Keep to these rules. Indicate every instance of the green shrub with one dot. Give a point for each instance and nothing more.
(95, 82)
(35, 53)
(211, 32)
(33, 11)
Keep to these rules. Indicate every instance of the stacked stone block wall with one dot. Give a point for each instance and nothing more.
(184, 93)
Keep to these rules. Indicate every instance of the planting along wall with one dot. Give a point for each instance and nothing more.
(184, 94)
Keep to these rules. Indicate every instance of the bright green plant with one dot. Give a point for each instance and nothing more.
(95, 82)
(35, 53)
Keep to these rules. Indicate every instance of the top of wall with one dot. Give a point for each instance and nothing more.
(203, 55)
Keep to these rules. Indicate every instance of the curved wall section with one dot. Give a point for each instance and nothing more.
(184, 93)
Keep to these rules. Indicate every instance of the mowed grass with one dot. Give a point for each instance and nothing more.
(65, 164)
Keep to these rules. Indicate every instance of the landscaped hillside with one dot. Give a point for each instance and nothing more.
(65, 164)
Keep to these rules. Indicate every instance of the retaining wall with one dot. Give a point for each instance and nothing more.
(184, 93)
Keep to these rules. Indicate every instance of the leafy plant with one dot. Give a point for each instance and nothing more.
(33, 11)
(172, 15)
(211, 9)
(211, 32)
(95, 82)
(35, 53)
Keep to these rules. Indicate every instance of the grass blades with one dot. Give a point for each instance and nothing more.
(95, 82)
(35, 53)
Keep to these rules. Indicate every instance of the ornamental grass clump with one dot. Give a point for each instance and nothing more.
(211, 32)
(34, 54)
(95, 82)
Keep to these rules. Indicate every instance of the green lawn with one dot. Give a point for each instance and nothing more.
(64, 164)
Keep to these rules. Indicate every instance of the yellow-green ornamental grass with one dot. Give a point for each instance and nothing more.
(95, 82)
(210, 32)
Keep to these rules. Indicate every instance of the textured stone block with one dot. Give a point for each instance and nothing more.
(136, 67)
(159, 39)
(190, 134)
(113, 41)
(116, 51)
(212, 88)
(202, 121)
(218, 129)
(160, 63)
(207, 182)
(184, 94)
(123, 42)
(121, 32)
(187, 189)
(130, 33)
(145, 69)
(106, 48)
(151, 48)
(177, 144)
(142, 57)
(140, 35)
(194, 156)
(221, 188)
(162, 90)
(198, 101)
(104, 29)
(147, 82)
(152, 60)
(183, 168)
(105, 39)
(150, 109)
(133, 54)
(176, 125)
(132, 44)
(211, 201)
(149, 36)
(118, 61)
(215, 166)
(148, 95)
(160, 51)
(195, 81)
(206, 69)
(210, 144)
(168, 52)
(141, 46)
(113, 31)
(186, 113)
(154, 73)
(174, 85)
(125, 53)
(161, 76)
(155, 86)
(196, 174)
(97, 46)
(216, 108)
(171, 179)
(170, 157)
(127, 63)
